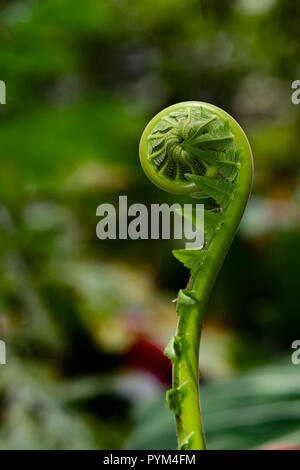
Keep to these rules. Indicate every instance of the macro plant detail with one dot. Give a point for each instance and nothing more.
(199, 149)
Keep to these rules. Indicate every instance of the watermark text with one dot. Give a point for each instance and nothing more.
(138, 222)
(2, 92)
(295, 358)
(2, 352)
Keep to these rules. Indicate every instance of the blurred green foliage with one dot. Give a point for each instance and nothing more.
(255, 410)
(82, 81)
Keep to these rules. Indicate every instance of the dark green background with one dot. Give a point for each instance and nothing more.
(83, 78)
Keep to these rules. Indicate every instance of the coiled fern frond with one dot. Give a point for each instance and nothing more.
(197, 148)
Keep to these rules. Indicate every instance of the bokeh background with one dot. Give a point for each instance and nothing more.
(85, 322)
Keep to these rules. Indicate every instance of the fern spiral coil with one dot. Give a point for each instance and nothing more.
(197, 148)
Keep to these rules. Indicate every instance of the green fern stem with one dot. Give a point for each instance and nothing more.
(215, 136)
(185, 371)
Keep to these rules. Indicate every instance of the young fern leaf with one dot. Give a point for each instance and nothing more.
(221, 191)
(199, 149)
(192, 259)
(225, 162)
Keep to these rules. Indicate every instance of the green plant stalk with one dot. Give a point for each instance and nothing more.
(185, 370)
(183, 350)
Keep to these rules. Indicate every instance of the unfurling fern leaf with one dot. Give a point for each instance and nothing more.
(221, 191)
(199, 149)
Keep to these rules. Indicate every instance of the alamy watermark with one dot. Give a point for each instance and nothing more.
(295, 96)
(138, 222)
(2, 92)
(2, 352)
(295, 358)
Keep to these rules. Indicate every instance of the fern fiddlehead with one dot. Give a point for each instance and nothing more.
(197, 148)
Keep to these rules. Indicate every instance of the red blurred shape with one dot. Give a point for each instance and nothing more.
(147, 356)
(280, 447)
